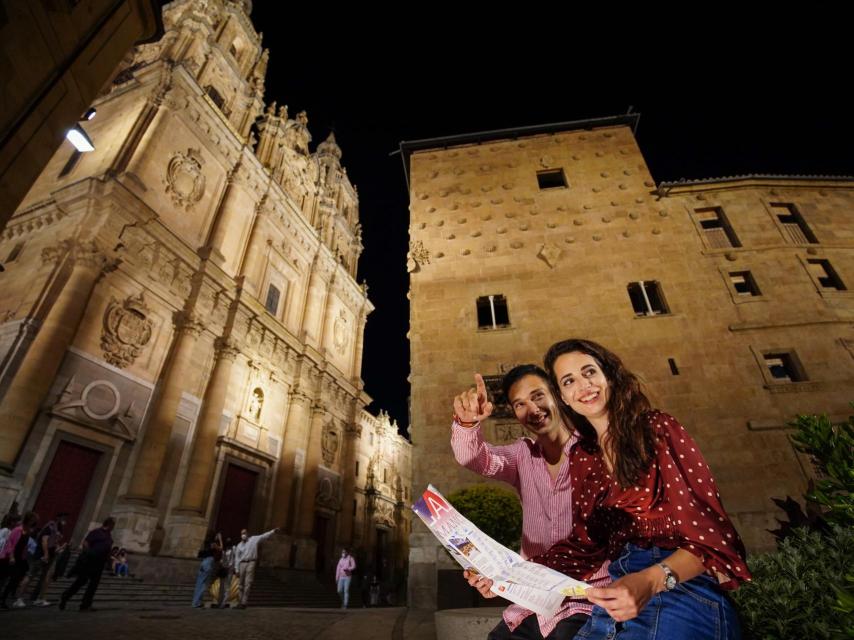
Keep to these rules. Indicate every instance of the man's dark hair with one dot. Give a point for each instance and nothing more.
(517, 373)
(109, 522)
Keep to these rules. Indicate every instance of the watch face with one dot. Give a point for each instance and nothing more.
(670, 583)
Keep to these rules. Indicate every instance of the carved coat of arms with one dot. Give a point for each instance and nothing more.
(127, 330)
(185, 182)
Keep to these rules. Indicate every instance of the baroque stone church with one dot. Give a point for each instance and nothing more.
(181, 328)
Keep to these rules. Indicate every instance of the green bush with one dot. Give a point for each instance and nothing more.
(831, 448)
(494, 510)
(795, 592)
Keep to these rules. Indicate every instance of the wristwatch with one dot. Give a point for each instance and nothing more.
(670, 580)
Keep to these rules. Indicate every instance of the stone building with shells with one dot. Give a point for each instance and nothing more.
(730, 297)
(181, 329)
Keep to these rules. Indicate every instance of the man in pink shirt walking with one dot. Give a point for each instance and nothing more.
(538, 469)
(343, 574)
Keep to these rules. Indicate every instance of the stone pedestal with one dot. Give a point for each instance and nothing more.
(466, 624)
(185, 534)
(306, 553)
(276, 552)
(10, 487)
(136, 528)
(423, 572)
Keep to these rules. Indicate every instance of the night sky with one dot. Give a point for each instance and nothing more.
(707, 110)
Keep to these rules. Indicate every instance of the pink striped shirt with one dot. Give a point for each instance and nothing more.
(546, 505)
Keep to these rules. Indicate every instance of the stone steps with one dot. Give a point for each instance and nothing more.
(282, 589)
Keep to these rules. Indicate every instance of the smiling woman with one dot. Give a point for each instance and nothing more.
(646, 500)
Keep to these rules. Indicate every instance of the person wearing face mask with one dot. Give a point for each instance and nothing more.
(647, 500)
(343, 575)
(245, 558)
(536, 467)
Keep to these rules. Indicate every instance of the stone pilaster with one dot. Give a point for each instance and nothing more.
(186, 528)
(77, 268)
(144, 485)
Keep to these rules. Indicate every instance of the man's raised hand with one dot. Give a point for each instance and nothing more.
(473, 406)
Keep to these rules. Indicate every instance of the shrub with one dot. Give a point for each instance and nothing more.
(831, 449)
(494, 510)
(796, 591)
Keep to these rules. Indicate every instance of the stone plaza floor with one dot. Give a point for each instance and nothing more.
(175, 623)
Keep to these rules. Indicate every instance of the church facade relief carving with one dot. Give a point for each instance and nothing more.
(127, 330)
(185, 182)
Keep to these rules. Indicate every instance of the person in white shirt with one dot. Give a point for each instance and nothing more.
(245, 557)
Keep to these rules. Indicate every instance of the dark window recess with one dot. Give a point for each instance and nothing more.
(719, 234)
(73, 159)
(492, 312)
(357, 468)
(794, 225)
(354, 507)
(216, 97)
(272, 303)
(551, 179)
(826, 274)
(15, 252)
(495, 393)
(784, 367)
(647, 298)
(744, 284)
(673, 368)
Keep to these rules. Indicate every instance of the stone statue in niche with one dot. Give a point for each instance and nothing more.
(256, 402)
(340, 332)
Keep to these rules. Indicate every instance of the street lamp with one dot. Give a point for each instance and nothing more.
(77, 136)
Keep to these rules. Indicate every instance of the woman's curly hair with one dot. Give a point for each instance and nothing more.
(630, 441)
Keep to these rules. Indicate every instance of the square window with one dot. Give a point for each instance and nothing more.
(272, 303)
(784, 366)
(492, 312)
(795, 228)
(744, 284)
(647, 298)
(717, 230)
(551, 179)
(825, 274)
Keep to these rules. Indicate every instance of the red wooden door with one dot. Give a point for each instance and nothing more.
(235, 504)
(67, 483)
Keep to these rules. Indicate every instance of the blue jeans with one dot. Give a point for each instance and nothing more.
(696, 609)
(203, 579)
(344, 590)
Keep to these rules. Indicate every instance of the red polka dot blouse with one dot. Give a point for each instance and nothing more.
(676, 505)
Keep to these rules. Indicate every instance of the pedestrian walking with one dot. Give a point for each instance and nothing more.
(95, 551)
(343, 576)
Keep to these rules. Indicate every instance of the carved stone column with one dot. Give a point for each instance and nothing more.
(78, 268)
(291, 464)
(186, 528)
(223, 217)
(152, 452)
(352, 433)
(201, 467)
(306, 546)
(360, 346)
